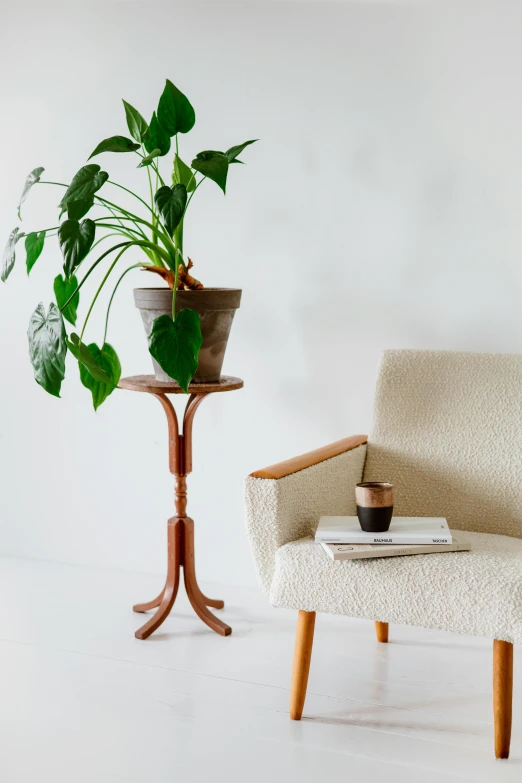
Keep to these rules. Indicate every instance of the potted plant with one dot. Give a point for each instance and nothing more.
(187, 325)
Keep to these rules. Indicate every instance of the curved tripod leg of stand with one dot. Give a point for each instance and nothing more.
(150, 605)
(195, 596)
(215, 603)
(175, 546)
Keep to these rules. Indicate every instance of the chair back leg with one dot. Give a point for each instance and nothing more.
(304, 639)
(381, 629)
(502, 696)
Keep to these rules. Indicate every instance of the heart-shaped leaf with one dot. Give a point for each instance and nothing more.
(47, 347)
(175, 111)
(147, 159)
(33, 247)
(77, 209)
(84, 185)
(135, 122)
(115, 144)
(171, 204)
(63, 290)
(31, 179)
(213, 165)
(81, 352)
(183, 174)
(75, 242)
(175, 345)
(9, 256)
(157, 137)
(108, 360)
(233, 152)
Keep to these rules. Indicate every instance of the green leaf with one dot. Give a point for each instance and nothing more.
(33, 247)
(175, 111)
(9, 256)
(47, 347)
(115, 144)
(175, 345)
(84, 185)
(233, 152)
(147, 160)
(77, 209)
(108, 360)
(75, 242)
(136, 124)
(157, 137)
(31, 179)
(213, 165)
(171, 204)
(81, 352)
(63, 289)
(183, 174)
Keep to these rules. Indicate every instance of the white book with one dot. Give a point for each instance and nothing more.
(403, 530)
(364, 551)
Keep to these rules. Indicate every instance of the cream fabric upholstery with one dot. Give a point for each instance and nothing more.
(477, 593)
(448, 434)
(279, 511)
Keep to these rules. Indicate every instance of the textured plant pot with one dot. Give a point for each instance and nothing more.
(216, 308)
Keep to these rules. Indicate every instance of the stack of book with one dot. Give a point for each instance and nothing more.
(343, 539)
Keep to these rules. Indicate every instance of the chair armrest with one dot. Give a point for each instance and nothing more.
(284, 502)
(295, 464)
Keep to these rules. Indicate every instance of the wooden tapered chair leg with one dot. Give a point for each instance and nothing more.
(304, 639)
(502, 696)
(381, 629)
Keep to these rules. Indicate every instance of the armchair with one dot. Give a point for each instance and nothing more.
(448, 433)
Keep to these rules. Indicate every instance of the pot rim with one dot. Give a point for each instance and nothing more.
(190, 291)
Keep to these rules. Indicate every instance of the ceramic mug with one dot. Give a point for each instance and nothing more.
(374, 501)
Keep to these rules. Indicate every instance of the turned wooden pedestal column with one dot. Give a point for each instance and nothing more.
(180, 528)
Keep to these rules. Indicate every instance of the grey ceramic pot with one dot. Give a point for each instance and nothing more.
(216, 308)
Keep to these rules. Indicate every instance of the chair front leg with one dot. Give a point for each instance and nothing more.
(381, 629)
(304, 640)
(502, 696)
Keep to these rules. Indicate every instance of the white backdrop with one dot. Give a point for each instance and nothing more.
(381, 209)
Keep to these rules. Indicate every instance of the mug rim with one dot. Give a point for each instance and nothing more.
(375, 484)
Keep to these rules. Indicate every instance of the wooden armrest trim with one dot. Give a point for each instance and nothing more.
(289, 466)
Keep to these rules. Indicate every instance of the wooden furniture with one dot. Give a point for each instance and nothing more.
(447, 433)
(180, 528)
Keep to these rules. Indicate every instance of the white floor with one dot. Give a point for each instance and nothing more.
(82, 701)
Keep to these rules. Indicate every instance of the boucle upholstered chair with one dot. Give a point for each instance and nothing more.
(448, 434)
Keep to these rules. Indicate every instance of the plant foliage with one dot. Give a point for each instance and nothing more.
(154, 229)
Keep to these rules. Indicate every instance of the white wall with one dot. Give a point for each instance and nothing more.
(381, 209)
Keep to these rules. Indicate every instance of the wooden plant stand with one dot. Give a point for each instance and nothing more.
(180, 528)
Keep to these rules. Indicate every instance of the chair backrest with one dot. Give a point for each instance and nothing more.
(448, 433)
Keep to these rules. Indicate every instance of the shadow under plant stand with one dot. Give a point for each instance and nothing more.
(180, 528)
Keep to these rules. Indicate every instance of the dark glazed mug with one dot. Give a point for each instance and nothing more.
(374, 501)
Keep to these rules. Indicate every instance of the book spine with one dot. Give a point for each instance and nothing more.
(386, 551)
(379, 539)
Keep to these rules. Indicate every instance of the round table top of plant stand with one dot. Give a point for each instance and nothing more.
(148, 383)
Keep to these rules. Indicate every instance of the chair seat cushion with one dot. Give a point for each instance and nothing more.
(477, 592)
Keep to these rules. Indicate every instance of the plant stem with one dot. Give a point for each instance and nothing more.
(138, 231)
(174, 290)
(93, 267)
(134, 266)
(47, 182)
(96, 295)
(158, 175)
(110, 182)
(105, 236)
(192, 194)
(125, 247)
